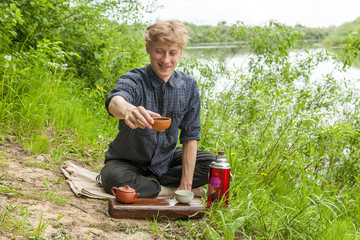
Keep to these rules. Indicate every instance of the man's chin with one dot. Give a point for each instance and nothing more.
(165, 73)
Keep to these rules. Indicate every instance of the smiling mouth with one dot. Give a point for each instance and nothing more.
(164, 67)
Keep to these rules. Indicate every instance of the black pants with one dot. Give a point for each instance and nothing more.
(117, 173)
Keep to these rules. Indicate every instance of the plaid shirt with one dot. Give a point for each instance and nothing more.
(177, 99)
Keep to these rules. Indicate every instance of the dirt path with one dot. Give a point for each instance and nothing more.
(22, 178)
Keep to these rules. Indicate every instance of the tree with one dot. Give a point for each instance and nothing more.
(96, 30)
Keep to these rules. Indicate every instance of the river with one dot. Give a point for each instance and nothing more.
(238, 58)
(348, 80)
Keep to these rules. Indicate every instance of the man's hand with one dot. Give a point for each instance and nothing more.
(188, 165)
(140, 117)
(179, 188)
(134, 116)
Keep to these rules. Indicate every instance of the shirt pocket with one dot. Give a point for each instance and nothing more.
(176, 118)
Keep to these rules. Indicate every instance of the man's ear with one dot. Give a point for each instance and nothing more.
(147, 48)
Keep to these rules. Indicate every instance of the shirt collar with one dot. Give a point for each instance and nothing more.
(156, 80)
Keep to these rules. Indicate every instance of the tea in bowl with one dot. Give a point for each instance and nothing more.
(161, 123)
(184, 196)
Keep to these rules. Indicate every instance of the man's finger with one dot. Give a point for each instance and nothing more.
(140, 124)
(145, 117)
(130, 123)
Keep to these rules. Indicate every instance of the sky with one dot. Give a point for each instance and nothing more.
(309, 13)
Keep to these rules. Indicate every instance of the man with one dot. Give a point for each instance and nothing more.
(152, 91)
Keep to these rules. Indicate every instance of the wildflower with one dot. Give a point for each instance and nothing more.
(6, 65)
(132, 40)
(264, 174)
(55, 65)
(101, 137)
(98, 87)
(233, 154)
(8, 58)
(357, 178)
(64, 66)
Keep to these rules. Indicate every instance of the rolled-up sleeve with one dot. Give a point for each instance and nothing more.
(125, 87)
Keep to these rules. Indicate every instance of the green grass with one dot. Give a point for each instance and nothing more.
(3, 161)
(295, 172)
(15, 219)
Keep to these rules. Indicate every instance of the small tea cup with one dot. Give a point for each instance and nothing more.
(184, 196)
(161, 123)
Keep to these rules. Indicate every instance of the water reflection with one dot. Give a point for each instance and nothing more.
(226, 50)
(237, 56)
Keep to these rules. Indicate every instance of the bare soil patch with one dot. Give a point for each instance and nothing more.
(76, 218)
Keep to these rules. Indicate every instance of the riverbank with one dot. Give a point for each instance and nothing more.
(330, 36)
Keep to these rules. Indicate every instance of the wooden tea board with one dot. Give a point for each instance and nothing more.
(150, 208)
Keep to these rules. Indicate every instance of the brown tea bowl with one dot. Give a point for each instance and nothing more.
(161, 123)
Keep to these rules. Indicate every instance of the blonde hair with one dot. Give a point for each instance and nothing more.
(171, 31)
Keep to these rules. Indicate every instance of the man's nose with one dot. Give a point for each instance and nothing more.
(166, 57)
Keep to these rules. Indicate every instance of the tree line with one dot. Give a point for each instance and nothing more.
(332, 35)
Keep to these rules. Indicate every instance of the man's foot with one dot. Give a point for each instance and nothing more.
(166, 191)
(199, 192)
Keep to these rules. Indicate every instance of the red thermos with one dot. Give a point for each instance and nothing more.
(219, 179)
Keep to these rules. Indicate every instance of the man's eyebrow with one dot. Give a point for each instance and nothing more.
(162, 49)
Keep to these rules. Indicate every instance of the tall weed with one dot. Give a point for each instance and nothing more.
(291, 141)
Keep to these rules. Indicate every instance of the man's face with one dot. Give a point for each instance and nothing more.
(164, 58)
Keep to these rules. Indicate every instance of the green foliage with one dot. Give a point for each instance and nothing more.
(223, 33)
(338, 36)
(292, 141)
(352, 49)
(208, 33)
(318, 34)
(10, 17)
(15, 219)
(37, 144)
(53, 196)
(272, 42)
(7, 189)
(75, 28)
